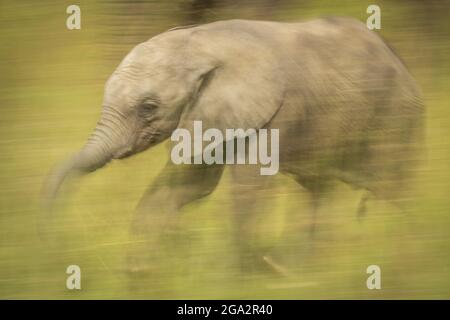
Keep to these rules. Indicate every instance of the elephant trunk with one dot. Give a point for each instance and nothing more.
(103, 145)
(87, 160)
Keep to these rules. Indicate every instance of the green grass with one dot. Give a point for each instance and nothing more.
(50, 97)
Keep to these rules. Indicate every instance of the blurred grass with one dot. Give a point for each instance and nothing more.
(50, 97)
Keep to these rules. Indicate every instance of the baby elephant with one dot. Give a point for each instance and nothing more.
(345, 107)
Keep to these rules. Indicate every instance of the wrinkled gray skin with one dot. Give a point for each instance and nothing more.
(345, 106)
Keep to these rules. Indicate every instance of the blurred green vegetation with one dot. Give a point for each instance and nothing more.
(51, 86)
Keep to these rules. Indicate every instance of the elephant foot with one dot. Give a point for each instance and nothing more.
(137, 270)
(136, 267)
(362, 206)
(264, 265)
(276, 267)
(140, 261)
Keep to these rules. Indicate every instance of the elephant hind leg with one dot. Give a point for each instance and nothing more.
(317, 188)
(362, 206)
(383, 183)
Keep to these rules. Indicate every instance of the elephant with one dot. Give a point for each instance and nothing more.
(346, 107)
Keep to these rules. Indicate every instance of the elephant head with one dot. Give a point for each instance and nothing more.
(225, 79)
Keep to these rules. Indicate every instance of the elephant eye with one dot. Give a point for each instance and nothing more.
(148, 107)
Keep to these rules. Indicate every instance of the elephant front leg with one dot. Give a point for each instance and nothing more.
(252, 196)
(156, 221)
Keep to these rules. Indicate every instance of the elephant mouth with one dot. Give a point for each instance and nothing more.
(146, 141)
(123, 153)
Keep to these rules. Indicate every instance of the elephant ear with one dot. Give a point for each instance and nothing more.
(241, 83)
